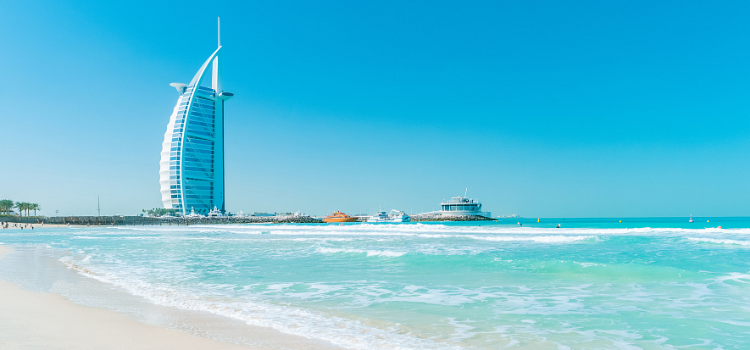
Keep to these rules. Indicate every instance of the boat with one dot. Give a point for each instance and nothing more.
(393, 216)
(380, 216)
(398, 216)
(215, 213)
(338, 216)
(193, 214)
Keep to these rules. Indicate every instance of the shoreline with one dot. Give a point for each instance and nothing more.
(50, 319)
(105, 221)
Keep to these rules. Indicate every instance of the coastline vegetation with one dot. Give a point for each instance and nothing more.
(7, 206)
(157, 212)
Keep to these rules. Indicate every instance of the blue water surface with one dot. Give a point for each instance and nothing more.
(643, 283)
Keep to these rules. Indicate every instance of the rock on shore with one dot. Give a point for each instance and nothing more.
(288, 219)
(441, 217)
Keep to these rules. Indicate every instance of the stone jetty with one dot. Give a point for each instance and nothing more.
(117, 220)
(186, 220)
(443, 217)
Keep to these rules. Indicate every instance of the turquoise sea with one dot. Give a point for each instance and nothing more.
(643, 283)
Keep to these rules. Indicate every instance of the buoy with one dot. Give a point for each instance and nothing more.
(691, 218)
(719, 226)
(537, 220)
(708, 220)
(620, 221)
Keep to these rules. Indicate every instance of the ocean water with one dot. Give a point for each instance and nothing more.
(592, 284)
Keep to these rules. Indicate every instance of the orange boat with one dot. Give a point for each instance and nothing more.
(339, 217)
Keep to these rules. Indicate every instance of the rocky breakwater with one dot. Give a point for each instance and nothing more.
(285, 219)
(442, 217)
(280, 219)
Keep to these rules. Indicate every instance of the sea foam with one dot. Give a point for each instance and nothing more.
(347, 333)
(719, 241)
(383, 253)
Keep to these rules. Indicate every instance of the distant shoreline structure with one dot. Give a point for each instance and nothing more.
(122, 220)
(447, 217)
(511, 216)
(456, 209)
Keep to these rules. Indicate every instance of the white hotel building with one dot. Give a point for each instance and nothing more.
(191, 170)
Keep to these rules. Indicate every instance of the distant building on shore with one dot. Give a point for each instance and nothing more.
(191, 170)
(458, 206)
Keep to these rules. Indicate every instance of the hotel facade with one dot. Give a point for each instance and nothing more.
(191, 170)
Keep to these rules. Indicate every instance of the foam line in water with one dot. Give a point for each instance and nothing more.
(384, 253)
(541, 239)
(343, 332)
(719, 241)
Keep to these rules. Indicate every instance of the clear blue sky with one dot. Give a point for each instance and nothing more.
(551, 109)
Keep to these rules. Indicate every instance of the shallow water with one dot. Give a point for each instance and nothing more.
(593, 284)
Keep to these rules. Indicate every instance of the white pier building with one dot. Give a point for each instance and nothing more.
(462, 206)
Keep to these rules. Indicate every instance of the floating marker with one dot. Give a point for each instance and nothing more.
(537, 220)
(620, 221)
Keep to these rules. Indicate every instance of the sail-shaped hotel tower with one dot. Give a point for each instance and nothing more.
(191, 170)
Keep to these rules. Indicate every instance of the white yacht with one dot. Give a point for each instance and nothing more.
(193, 214)
(215, 213)
(398, 216)
(378, 217)
(393, 216)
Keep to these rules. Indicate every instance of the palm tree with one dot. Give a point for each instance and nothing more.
(23, 206)
(6, 205)
(35, 207)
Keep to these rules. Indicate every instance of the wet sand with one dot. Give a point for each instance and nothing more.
(31, 320)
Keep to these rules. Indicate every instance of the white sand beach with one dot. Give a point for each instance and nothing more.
(30, 320)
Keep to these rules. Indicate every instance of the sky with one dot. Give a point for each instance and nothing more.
(542, 109)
